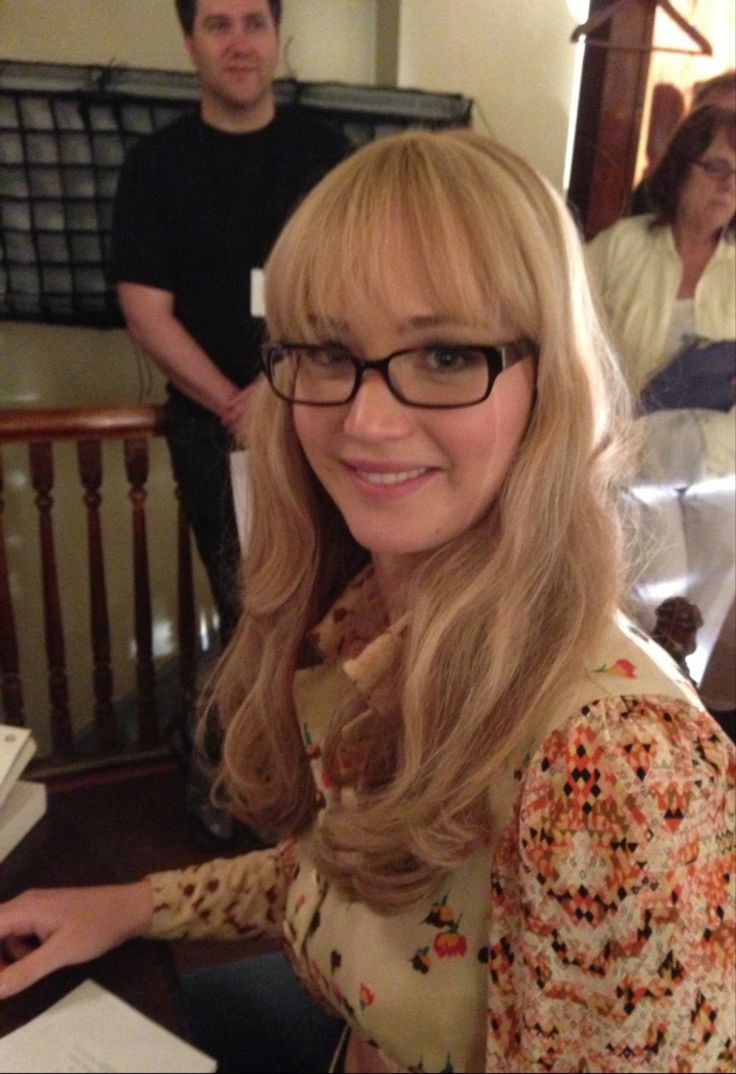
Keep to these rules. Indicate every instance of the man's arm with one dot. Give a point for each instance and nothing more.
(151, 322)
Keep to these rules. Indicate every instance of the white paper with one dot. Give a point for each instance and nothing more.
(257, 297)
(90, 1029)
(23, 807)
(240, 481)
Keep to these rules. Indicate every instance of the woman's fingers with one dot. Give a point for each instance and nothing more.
(41, 931)
(38, 962)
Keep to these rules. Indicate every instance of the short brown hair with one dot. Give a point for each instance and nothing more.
(187, 9)
(723, 83)
(691, 138)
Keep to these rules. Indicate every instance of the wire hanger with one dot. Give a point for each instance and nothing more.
(601, 17)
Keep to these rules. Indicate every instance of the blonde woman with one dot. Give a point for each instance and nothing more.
(502, 815)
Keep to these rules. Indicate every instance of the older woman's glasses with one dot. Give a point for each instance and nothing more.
(437, 377)
(720, 170)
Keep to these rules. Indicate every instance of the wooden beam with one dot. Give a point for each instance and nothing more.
(612, 93)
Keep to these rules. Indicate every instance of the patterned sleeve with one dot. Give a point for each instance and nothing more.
(228, 898)
(612, 916)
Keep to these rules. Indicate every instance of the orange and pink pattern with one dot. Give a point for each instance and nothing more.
(612, 942)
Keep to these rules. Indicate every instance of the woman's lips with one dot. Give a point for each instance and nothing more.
(392, 477)
(387, 477)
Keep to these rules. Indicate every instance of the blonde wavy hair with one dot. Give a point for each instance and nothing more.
(500, 620)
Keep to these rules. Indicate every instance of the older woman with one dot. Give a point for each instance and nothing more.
(669, 275)
(503, 814)
(668, 285)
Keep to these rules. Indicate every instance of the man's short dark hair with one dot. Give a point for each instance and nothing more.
(186, 10)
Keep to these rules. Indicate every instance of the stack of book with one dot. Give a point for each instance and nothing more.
(22, 802)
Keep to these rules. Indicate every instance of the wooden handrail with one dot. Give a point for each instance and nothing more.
(80, 423)
(134, 427)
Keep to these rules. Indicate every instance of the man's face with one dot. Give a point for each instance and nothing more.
(234, 45)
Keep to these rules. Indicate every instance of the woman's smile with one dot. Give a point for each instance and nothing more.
(389, 477)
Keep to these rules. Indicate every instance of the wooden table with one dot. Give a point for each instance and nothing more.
(82, 840)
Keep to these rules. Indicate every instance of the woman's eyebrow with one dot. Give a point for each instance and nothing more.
(329, 324)
(432, 320)
(419, 322)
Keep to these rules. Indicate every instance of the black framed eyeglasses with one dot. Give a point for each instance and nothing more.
(437, 377)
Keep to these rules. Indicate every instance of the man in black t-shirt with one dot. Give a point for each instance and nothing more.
(199, 204)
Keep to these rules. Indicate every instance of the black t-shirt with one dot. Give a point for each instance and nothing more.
(196, 209)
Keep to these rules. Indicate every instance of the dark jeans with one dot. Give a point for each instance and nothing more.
(199, 449)
(255, 1016)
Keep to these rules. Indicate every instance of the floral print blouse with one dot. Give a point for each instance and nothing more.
(595, 933)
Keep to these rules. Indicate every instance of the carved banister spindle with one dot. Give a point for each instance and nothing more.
(89, 454)
(185, 615)
(42, 479)
(12, 694)
(136, 465)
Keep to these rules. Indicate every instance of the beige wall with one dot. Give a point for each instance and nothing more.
(123, 32)
(513, 57)
(330, 40)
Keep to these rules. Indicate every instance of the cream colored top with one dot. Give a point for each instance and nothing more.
(638, 271)
(592, 932)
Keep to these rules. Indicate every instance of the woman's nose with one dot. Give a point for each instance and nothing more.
(375, 412)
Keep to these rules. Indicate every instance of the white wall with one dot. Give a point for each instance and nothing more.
(513, 57)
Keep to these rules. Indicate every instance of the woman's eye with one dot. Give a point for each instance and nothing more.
(451, 359)
(328, 358)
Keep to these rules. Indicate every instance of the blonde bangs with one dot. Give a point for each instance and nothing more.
(416, 196)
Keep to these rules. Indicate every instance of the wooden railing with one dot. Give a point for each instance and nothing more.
(134, 426)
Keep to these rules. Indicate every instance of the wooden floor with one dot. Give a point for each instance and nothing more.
(144, 821)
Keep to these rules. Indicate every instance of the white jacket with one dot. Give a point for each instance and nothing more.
(638, 272)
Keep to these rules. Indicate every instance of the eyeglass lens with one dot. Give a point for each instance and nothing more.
(717, 169)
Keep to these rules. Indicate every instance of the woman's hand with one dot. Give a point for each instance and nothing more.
(45, 929)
